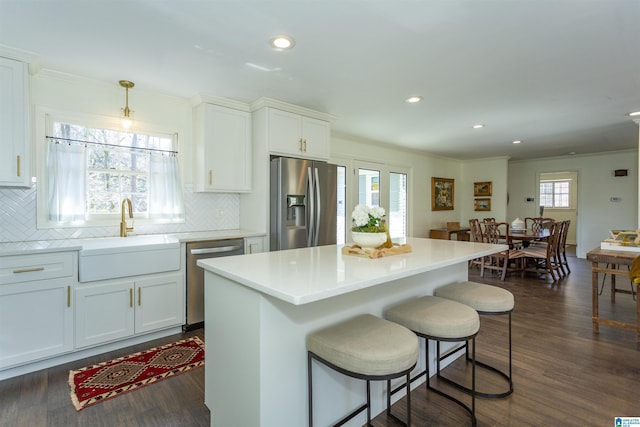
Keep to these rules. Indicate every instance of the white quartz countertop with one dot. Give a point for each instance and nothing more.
(45, 246)
(301, 276)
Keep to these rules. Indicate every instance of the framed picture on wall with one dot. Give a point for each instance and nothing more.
(482, 204)
(442, 192)
(482, 188)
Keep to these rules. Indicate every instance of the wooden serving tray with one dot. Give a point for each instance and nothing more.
(377, 252)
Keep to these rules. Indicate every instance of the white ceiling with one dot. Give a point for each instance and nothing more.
(560, 75)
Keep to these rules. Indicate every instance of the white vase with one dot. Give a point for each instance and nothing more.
(517, 224)
(368, 240)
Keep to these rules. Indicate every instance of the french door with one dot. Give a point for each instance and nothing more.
(386, 186)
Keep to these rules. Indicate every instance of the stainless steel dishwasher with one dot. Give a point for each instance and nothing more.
(195, 274)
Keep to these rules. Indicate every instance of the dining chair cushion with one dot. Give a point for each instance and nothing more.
(481, 297)
(366, 345)
(436, 317)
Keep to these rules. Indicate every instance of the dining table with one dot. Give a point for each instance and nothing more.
(527, 235)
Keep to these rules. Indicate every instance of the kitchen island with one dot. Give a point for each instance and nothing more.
(259, 309)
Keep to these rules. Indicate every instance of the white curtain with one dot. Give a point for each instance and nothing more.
(66, 166)
(165, 190)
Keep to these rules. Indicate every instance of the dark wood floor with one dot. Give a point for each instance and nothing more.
(563, 374)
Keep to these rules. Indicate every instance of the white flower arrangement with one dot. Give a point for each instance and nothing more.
(368, 220)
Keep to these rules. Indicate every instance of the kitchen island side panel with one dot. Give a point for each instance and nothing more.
(232, 352)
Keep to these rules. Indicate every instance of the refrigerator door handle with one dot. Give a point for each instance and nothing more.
(312, 207)
(318, 209)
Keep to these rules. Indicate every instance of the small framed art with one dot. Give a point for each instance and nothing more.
(482, 204)
(482, 188)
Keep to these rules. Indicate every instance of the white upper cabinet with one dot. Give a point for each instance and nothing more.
(222, 149)
(14, 123)
(297, 135)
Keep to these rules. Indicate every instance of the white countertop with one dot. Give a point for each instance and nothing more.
(45, 246)
(301, 276)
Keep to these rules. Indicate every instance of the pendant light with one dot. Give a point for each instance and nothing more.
(126, 120)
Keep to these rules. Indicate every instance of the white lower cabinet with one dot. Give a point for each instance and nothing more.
(36, 307)
(253, 245)
(115, 309)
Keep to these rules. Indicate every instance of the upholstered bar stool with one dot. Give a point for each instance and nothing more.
(486, 300)
(368, 348)
(440, 319)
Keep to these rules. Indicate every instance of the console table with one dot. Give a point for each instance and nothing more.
(462, 233)
(617, 264)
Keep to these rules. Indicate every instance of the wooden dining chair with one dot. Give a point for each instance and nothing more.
(510, 260)
(543, 258)
(562, 252)
(476, 236)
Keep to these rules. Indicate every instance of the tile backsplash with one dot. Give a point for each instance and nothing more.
(204, 212)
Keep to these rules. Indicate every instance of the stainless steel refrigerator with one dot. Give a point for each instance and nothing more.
(303, 203)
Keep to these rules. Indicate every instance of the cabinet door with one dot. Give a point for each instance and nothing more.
(285, 133)
(159, 303)
(36, 320)
(104, 312)
(253, 245)
(224, 144)
(14, 141)
(316, 137)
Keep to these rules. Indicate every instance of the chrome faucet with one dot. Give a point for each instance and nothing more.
(123, 222)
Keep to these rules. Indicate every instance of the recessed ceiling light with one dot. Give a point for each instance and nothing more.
(571, 153)
(413, 99)
(478, 126)
(516, 142)
(282, 42)
(635, 113)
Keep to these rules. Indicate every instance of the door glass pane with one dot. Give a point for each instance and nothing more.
(368, 187)
(397, 215)
(342, 206)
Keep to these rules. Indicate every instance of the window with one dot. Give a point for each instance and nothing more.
(555, 194)
(397, 215)
(91, 170)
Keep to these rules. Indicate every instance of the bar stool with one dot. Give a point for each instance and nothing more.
(486, 300)
(368, 348)
(440, 319)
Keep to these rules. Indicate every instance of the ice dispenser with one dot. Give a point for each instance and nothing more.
(296, 215)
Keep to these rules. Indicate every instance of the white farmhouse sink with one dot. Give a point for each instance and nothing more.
(112, 257)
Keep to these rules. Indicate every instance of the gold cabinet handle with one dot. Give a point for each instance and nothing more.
(305, 145)
(68, 296)
(28, 270)
(18, 161)
(131, 297)
(139, 297)
(210, 177)
(300, 141)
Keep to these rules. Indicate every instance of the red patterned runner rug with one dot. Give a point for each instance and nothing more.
(106, 380)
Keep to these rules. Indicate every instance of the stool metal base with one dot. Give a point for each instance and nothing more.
(368, 378)
(470, 409)
(507, 377)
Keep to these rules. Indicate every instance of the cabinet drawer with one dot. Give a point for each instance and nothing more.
(25, 268)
